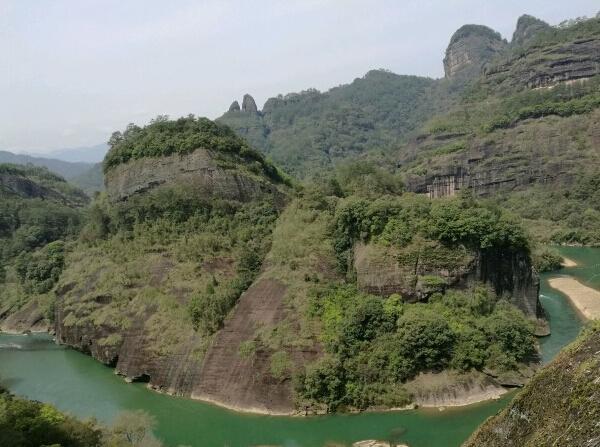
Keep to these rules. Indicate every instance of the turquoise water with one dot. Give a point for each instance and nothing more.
(34, 367)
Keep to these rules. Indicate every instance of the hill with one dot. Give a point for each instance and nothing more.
(311, 131)
(525, 134)
(85, 175)
(400, 278)
(40, 213)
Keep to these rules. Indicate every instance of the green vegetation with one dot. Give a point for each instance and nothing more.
(38, 213)
(25, 423)
(397, 220)
(165, 137)
(560, 215)
(374, 345)
(169, 252)
(546, 259)
(312, 131)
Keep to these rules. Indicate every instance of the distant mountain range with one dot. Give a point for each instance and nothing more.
(86, 175)
(86, 154)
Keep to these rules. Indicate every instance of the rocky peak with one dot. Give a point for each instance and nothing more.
(527, 27)
(471, 46)
(234, 107)
(248, 104)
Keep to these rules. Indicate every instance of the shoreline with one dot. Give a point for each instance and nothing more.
(568, 262)
(469, 399)
(585, 299)
(463, 401)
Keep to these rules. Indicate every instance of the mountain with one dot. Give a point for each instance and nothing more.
(87, 176)
(226, 272)
(86, 154)
(524, 134)
(40, 211)
(312, 131)
(63, 168)
(401, 272)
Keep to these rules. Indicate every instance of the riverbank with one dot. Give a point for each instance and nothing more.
(567, 262)
(585, 299)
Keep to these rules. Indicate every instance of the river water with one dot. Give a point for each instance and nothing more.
(34, 367)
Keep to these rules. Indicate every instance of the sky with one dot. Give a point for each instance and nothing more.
(73, 71)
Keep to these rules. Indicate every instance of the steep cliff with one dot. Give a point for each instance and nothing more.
(560, 406)
(204, 169)
(528, 27)
(410, 272)
(470, 48)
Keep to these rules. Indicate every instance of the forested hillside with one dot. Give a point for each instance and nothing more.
(39, 213)
(410, 249)
(311, 131)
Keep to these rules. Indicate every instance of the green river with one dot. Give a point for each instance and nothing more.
(34, 367)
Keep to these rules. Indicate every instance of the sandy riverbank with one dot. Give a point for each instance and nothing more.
(585, 299)
(566, 262)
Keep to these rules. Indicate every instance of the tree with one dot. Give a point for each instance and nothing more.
(134, 428)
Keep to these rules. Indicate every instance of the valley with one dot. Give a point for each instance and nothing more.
(368, 262)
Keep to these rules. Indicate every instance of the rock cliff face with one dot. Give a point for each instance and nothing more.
(200, 168)
(416, 272)
(470, 48)
(238, 381)
(234, 107)
(527, 28)
(248, 104)
(533, 152)
(540, 66)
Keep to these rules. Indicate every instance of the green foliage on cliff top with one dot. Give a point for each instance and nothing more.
(397, 220)
(164, 137)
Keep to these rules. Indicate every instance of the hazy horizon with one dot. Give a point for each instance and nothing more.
(77, 71)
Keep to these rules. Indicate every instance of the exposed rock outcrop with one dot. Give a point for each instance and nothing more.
(415, 272)
(234, 107)
(510, 159)
(542, 66)
(28, 318)
(449, 389)
(527, 28)
(238, 381)
(248, 104)
(200, 169)
(470, 48)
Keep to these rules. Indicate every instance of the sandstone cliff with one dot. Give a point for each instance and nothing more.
(248, 104)
(528, 27)
(202, 169)
(417, 271)
(547, 57)
(470, 48)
